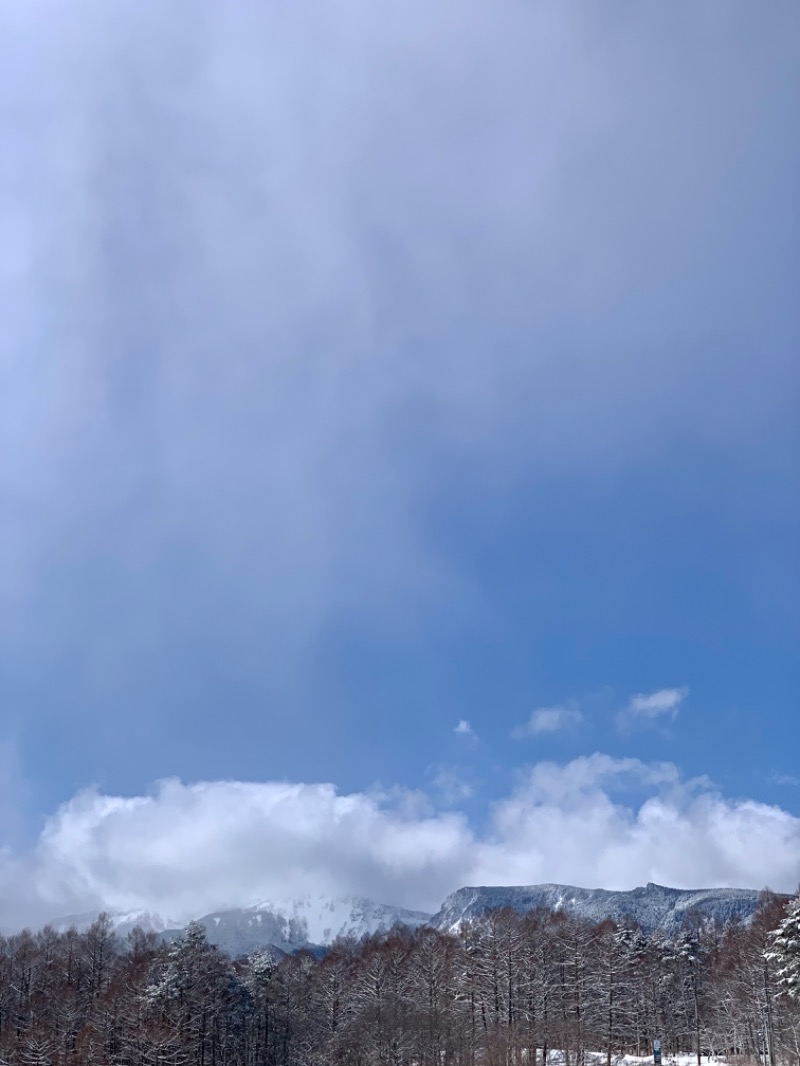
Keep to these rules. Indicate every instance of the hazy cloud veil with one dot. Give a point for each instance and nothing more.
(270, 258)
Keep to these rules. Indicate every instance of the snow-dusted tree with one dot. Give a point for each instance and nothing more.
(258, 978)
(538, 984)
(572, 952)
(784, 950)
(500, 967)
(615, 1002)
(469, 984)
(36, 1052)
(98, 949)
(432, 972)
(199, 994)
(688, 957)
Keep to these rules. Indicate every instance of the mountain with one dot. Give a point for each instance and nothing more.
(654, 907)
(304, 922)
(121, 921)
(314, 922)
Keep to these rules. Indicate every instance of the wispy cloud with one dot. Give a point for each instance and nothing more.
(464, 729)
(791, 780)
(450, 785)
(548, 720)
(648, 707)
(665, 701)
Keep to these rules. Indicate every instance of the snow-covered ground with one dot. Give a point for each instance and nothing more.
(599, 1058)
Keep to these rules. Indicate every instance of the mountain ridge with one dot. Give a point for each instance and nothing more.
(314, 922)
(653, 907)
(307, 922)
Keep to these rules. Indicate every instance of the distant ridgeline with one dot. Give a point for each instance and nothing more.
(653, 907)
(314, 922)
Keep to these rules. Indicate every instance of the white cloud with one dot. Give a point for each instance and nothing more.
(190, 848)
(572, 823)
(464, 729)
(665, 703)
(548, 720)
(184, 850)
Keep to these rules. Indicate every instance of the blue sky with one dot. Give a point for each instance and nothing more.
(366, 372)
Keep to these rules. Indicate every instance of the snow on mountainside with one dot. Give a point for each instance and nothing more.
(653, 907)
(316, 921)
(305, 922)
(121, 921)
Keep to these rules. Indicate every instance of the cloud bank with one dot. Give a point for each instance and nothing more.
(184, 850)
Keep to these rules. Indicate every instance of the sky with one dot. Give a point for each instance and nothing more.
(399, 449)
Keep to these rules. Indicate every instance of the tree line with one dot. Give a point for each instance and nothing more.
(504, 990)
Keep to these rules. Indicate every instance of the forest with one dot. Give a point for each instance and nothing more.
(508, 989)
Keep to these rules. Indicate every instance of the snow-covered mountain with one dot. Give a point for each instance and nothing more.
(304, 922)
(653, 907)
(315, 921)
(287, 925)
(121, 921)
